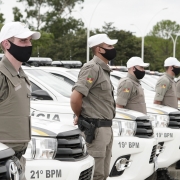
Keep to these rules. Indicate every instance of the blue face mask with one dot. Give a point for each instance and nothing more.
(109, 54)
(22, 54)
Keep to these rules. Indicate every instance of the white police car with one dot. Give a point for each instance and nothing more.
(161, 116)
(129, 144)
(10, 168)
(57, 151)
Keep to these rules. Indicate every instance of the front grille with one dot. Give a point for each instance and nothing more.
(5, 155)
(144, 128)
(153, 154)
(3, 169)
(86, 175)
(174, 121)
(70, 146)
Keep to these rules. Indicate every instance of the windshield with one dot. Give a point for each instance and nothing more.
(52, 81)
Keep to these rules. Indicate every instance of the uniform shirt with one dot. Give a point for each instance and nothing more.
(178, 87)
(166, 91)
(3, 81)
(130, 94)
(15, 119)
(95, 85)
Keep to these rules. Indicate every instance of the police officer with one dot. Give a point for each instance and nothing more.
(178, 87)
(15, 124)
(166, 87)
(130, 94)
(92, 101)
(167, 96)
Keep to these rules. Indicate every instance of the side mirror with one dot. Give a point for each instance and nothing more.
(41, 94)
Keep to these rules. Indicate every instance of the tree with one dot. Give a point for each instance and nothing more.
(161, 43)
(70, 46)
(17, 14)
(61, 26)
(165, 27)
(42, 45)
(108, 27)
(52, 9)
(2, 20)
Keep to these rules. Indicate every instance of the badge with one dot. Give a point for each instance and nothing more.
(126, 90)
(163, 86)
(90, 79)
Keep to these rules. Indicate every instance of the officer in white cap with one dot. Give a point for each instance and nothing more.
(166, 87)
(15, 125)
(93, 102)
(166, 95)
(130, 94)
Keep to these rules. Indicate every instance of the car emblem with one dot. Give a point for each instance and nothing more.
(13, 171)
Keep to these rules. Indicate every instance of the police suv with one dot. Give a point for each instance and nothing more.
(57, 151)
(160, 129)
(9, 164)
(133, 139)
(161, 116)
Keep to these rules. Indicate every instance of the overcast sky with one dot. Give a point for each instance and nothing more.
(142, 13)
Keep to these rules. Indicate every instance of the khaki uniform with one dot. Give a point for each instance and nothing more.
(98, 103)
(178, 87)
(130, 94)
(15, 93)
(166, 91)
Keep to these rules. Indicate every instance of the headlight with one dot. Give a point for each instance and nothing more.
(41, 148)
(124, 128)
(161, 121)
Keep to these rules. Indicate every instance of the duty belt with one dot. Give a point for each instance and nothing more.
(99, 122)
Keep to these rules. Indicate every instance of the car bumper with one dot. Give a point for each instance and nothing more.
(140, 151)
(54, 169)
(171, 147)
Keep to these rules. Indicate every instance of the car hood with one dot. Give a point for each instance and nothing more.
(126, 114)
(160, 109)
(48, 128)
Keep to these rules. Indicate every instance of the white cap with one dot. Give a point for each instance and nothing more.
(101, 38)
(18, 30)
(171, 61)
(136, 61)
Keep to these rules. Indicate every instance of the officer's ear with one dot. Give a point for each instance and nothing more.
(6, 44)
(171, 68)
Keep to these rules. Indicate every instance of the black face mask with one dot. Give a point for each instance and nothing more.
(109, 53)
(176, 71)
(139, 74)
(22, 54)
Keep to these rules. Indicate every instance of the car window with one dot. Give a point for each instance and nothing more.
(34, 87)
(64, 78)
(117, 77)
(52, 81)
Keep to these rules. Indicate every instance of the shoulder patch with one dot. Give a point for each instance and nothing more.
(163, 86)
(89, 79)
(126, 90)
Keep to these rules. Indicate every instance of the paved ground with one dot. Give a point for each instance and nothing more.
(175, 173)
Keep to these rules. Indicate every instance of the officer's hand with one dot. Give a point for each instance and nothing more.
(75, 120)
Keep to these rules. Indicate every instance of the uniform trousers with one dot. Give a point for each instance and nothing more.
(19, 147)
(101, 150)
